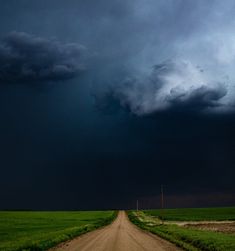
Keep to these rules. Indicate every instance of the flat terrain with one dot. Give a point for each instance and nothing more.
(212, 219)
(195, 214)
(209, 229)
(42, 230)
(121, 235)
(191, 235)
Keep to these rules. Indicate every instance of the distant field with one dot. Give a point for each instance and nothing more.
(195, 214)
(41, 230)
(188, 238)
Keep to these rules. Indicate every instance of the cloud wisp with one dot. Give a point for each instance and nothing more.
(24, 57)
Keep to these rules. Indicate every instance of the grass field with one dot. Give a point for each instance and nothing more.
(36, 231)
(195, 214)
(188, 238)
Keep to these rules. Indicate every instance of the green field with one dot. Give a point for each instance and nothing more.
(190, 239)
(194, 214)
(42, 230)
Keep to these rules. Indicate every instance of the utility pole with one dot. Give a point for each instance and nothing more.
(162, 197)
(162, 202)
(137, 205)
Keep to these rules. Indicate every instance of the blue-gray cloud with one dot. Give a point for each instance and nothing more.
(24, 57)
(171, 85)
(128, 38)
(194, 40)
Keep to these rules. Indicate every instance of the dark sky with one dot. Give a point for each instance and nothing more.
(103, 101)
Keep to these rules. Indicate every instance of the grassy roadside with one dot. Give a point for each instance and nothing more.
(186, 238)
(37, 231)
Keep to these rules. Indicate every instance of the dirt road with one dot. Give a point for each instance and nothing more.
(121, 235)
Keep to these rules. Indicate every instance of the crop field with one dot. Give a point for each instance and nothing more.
(42, 230)
(194, 214)
(188, 236)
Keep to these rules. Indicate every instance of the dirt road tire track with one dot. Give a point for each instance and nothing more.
(121, 235)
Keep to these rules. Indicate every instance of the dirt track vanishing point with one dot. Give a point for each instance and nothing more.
(121, 235)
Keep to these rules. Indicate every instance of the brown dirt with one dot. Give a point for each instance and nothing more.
(121, 235)
(228, 228)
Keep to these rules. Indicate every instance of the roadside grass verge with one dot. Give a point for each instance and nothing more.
(195, 214)
(37, 231)
(186, 238)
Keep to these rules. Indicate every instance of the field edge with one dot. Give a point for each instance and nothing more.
(63, 236)
(84, 230)
(188, 239)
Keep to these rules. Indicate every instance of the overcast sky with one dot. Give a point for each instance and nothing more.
(103, 101)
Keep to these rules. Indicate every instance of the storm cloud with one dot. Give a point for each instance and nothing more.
(149, 102)
(24, 57)
(171, 85)
(180, 56)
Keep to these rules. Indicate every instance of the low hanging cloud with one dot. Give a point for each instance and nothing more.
(176, 85)
(24, 57)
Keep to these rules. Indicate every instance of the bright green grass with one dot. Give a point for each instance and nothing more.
(187, 238)
(40, 230)
(195, 214)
